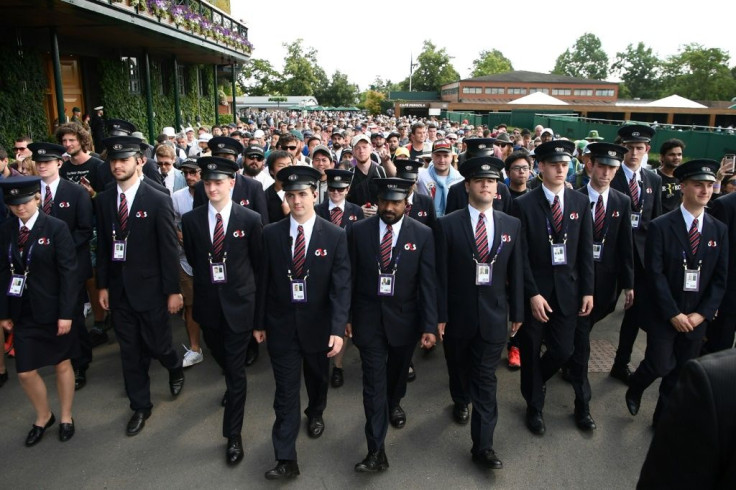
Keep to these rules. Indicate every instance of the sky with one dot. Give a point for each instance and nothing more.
(379, 38)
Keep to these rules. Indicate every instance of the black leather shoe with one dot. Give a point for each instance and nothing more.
(224, 399)
(412, 373)
(488, 459)
(4, 376)
(337, 379)
(633, 401)
(397, 416)
(97, 337)
(234, 452)
(621, 372)
(375, 461)
(137, 422)
(176, 381)
(584, 421)
(315, 427)
(66, 431)
(80, 378)
(460, 413)
(535, 421)
(36, 433)
(283, 470)
(251, 355)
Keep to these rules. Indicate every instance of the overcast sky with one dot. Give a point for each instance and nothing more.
(379, 37)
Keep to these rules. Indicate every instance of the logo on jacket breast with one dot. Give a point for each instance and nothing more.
(141, 214)
(422, 214)
(505, 238)
(244, 202)
(410, 246)
(615, 214)
(573, 215)
(649, 190)
(64, 204)
(352, 217)
(44, 241)
(712, 243)
(239, 233)
(320, 252)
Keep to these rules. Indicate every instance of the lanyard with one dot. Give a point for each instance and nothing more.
(28, 259)
(549, 233)
(396, 263)
(495, 256)
(684, 261)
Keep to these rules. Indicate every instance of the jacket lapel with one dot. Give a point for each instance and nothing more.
(468, 229)
(497, 232)
(315, 242)
(678, 227)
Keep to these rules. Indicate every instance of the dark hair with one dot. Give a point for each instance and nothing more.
(277, 155)
(517, 155)
(525, 132)
(26, 139)
(417, 125)
(286, 138)
(3, 153)
(669, 144)
(85, 139)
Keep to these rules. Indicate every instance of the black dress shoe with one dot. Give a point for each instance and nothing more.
(97, 337)
(535, 421)
(584, 421)
(234, 452)
(137, 422)
(224, 399)
(488, 459)
(36, 433)
(251, 354)
(176, 381)
(397, 416)
(633, 401)
(460, 413)
(337, 379)
(412, 373)
(80, 378)
(375, 461)
(315, 427)
(621, 372)
(4, 376)
(283, 470)
(66, 431)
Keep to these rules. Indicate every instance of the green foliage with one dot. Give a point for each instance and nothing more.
(700, 73)
(490, 63)
(259, 77)
(586, 59)
(302, 75)
(22, 93)
(372, 101)
(639, 70)
(384, 86)
(434, 70)
(339, 92)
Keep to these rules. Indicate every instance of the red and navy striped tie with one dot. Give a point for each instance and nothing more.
(300, 252)
(218, 237)
(23, 237)
(557, 214)
(123, 213)
(336, 216)
(481, 239)
(694, 237)
(634, 191)
(600, 216)
(47, 202)
(386, 245)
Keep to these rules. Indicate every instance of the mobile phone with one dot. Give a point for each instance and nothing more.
(728, 163)
(84, 181)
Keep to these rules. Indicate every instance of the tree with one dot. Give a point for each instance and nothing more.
(586, 59)
(699, 73)
(490, 63)
(258, 77)
(339, 92)
(384, 86)
(639, 70)
(373, 101)
(434, 70)
(302, 75)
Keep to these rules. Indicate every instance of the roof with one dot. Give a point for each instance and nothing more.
(535, 77)
(676, 101)
(538, 98)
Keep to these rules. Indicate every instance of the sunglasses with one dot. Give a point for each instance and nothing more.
(335, 189)
(255, 157)
(190, 172)
(292, 148)
(22, 148)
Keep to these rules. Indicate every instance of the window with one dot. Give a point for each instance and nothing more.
(495, 90)
(450, 91)
(181, 79)
(133, 71)
(472, 90)
(584, 92)
(517, 91)
(542, 90)
(561, 91)
(604, 93)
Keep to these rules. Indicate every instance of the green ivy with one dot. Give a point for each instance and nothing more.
(22, 94)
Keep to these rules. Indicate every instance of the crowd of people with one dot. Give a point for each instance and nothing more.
(308, 233)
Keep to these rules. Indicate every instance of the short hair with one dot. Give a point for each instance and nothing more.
(287, 138)
(669, 144)
(164, 150)
(517, 155)
(417, 125)
(3, 153)
(525, 132)
(24, 138)
(82, 135)
(277, 155)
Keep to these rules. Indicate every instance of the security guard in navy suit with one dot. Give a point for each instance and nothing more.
(223, 244)
(70, 203)
(481, 287)
(137, 275)
(394, 305)
(302, 307)
(419, 206)
(103, 178)
(336, 209)
(613, 257)
(686, 264)
(558, 273)
(457, 196)
(644, 189)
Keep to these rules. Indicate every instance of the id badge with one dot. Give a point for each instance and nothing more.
(218, 273)
(559, 254)
(119, 250)
(635, 218)
(597, 251)
(385, 284)
(17, 285)
(691, 281)
(298, 291)
(483, 274)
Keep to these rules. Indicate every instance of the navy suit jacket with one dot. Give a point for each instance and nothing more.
(73, 206)
(412, 311)
(650, 204)
(247, 192)
(352, 213)
(457, 198)
(724, 210)
(465, 307)
(422, 210)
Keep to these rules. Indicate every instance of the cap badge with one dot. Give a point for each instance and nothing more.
(635, 134)
(480, 147)
(13, 191)
(612, 153)
(485, 167)
(212, 166)
(293, 177)
(221, 145)
(117, 146)
(408, 168)
(560, 150)
(391, 186)
(41, 151)
(116, 126)
(337, 178)
(707, 170)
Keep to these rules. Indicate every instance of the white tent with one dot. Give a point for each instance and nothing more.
(676, 101)
(538, 98)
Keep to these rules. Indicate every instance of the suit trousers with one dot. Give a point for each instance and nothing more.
(473, 362)
(85, 345)
(721, 333)
(385, 369)
(228, 347)
(142, 336)
(558, 334)
(633, 317)
(287, 365)
(578, 363)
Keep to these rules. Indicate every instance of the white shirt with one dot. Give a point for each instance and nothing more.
(28, 224)
(264, 178)
(212, 217)
(183, 202)
(130, 193)
(395, 230)
(490, 228)
(688, 219)
(551, 197)
(332, 205)
(54, 185)
(593, 195)
(169, 180)
(293, 231)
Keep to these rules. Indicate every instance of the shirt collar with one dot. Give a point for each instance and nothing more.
(31, 221)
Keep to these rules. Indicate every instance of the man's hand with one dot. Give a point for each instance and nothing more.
(87, 187)
(441, 330)
(696, 319)
(586, 306)
(540, 308)
(349, 330)
(628, 298)
(259, 335)
(681, 323)
(369, 210)
(104, 297)
(515, 326)
(6, 324)
(428, 341)
(180, 237)
(175, 303)
(335, 345)
(285, 207)
(63, 326)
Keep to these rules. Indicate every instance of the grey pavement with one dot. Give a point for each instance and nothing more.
(181, 445)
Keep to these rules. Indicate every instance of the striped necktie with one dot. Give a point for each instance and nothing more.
(694, 237)
(386, 245)
(600, 216)
(634, 191)
(481, 239)
(218, 237)
(336, 216)
(300, 252)
(557, 214)
(123, 213)
(47, 201)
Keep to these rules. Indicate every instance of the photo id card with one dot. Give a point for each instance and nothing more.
(559, 253)
(298, 291)
(635, 218)
(692, 280)
(17, 285)
(119, 250)
(218, 273)
(597, 251)
(483, 274)
(385, 284)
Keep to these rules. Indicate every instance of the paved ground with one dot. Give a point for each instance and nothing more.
(181, 445)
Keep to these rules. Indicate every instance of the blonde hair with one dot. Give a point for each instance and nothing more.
(28, 161)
